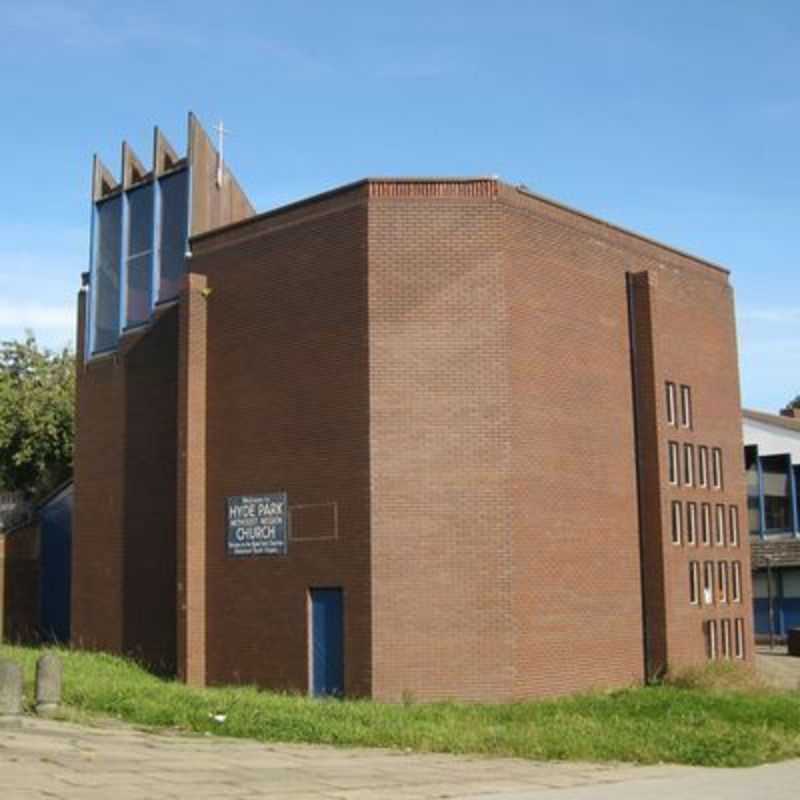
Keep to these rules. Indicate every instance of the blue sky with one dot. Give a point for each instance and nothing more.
(676, 119)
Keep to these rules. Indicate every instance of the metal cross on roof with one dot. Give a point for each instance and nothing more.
(221, 131)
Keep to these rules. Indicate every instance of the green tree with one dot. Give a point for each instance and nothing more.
(794, 403)
(37, 400)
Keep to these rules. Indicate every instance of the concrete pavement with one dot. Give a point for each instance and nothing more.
(777, 668)
(65, 761)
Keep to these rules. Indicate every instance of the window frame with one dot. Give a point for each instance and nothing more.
(686, 406)
(672, 405)
(694, 583)
(708, 583)
(702, 466)
(673, 463)
(140, 261)
(173, 232)
(738, 638)
(768, 467)
(705, 524)
(720, 533)
(717, 481)
(722, 581)
(691, 523)
(736, 582)
(725, 636)
(688, 464)
(711, 639)
(677, 522)
(733, 526)
(107, 274)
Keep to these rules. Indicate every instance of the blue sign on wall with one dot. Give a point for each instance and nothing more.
(257, 525)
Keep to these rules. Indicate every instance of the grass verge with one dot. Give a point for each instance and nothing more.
(691, 721)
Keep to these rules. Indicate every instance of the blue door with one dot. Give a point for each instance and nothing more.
(327, 643)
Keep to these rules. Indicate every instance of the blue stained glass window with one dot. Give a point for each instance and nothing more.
(140, 255)
(106, 288)
(174, 232)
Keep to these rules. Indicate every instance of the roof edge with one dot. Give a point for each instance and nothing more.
(522, 190)
(310, 200)
(768, 418)
(628, 231)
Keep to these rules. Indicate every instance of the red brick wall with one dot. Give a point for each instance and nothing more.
(440, 438)
(97, 536)
(191, 495)
(695, 344)
(576, 274)
(506, 550)
(20, 586)
(123, 546)
(288, 410)
(577, 596)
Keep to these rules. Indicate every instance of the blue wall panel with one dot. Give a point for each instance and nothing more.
(56, 566)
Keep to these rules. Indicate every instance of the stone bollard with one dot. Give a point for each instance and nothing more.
(49, 671)
(10, 689)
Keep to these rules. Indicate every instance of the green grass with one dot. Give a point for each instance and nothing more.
(739, 724)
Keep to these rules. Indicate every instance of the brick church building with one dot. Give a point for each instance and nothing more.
(431, 436)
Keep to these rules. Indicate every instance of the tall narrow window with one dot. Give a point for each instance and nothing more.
(722, 581)
(140, 255)
(174, 232)
(106, 277)
(716, 468)
(711, 639)
(672, 469)
(702, 466)
(691, 523)
(688, 464)
(720, 525)
(671, 416)
(677, 523)
(686, 407)
(739, 639)
(726, 638)
(694, 583)
(736, 582)
(705, 523)
(708, 583)
(733, 528)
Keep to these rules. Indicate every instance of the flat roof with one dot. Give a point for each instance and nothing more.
(521, 189)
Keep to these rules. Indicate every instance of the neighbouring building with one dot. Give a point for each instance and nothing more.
(13, 509)
(432, 437)
(772, 459)
(35, 569)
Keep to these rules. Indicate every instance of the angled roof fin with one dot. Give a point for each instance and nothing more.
(103, 181)
(165, 157)
(214, 202)
(133, 170)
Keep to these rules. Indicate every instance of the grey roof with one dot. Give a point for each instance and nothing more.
(790, 423)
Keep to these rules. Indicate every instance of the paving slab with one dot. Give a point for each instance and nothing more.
(66, 761)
